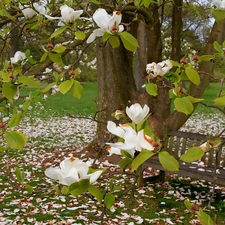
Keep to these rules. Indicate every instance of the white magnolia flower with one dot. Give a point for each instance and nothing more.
(69, 15)
(106, 22)
(220, 4)
(72, 170)
(132, 141)
(159, 69)
(19, 56)
(27, 11)
(136, 113)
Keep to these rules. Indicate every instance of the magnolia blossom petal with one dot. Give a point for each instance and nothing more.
(114, 21)
(94, 176)
(53, 173)
(40, 8)
(19, 56)
(220, 4)
(145, 141)
(113, 150)
(114, 129)
(96, 33)
(69, 15)
(136, 113)
(102, 18)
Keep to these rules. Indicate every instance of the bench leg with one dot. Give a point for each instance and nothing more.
(162, 176)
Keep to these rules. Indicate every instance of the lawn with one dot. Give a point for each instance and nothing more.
(53, 135)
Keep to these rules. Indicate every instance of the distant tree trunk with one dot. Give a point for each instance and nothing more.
(176, 119)
(176, 30)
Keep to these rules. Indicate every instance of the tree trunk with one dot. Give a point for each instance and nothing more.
(176, 119)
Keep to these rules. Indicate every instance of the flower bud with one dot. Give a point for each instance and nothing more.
(49, 46)
(183, 61)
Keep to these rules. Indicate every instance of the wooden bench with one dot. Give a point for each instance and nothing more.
(211, 167)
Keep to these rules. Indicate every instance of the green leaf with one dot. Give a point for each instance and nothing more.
(195, 100)
(217, 47)
(137, 2)
(29, 189)
(141, 158)
(220, 101)
(147, 3)
(114, 41)
(48, 87)
(192, 75)
(59, 49)
(106, 36)
(79, 187)
(5, 76)
(2, 149)
(76, 89)
(183, 105)
(109, 200)
(19, 175)
(172, 77)
(95, 192)
(44, 57)
(15, 120)
(218, 14)
(187, 204)
(96, 2)
(80, 35)
(129, 42)
(65, 190)
(27, 81)
(58, 31)
(152, 89)
(124, 163)
(15, 139)
(192, 155)
(168, 161)
(55, 57)
(9, 90)
(65, 86)
(205, 58)
(125, 154)
(204, 218)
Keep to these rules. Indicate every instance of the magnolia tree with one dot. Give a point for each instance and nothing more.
(118, 29)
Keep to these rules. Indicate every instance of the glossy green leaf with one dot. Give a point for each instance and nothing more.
(205, 58)
(95, 192)
(65, 190)
(29, 189)
(147, 3)
(109, 200)
(5, 76)
(59, 49)
(56, 58)
(125, 154)
(204, 218)
(172, 77)
(218, 47)
(168, 161)
(124, 163)
(44, 57)
(76, 89)
(195, 100)
(114, 41)
(15, 139)
(9, 90)
(19, 175)
(192, 155)
(183, 105)
(96, 2)
(48, 87)
(65, 86)
(218, 14)
(58, 31)
(152, 89)
(192, 75)
(15, 120)
(80, 35)
(129, 41)
(79, 187)
(141, 158)
(220, 101)
(187, 204)
(27, 81)
(106, 36)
